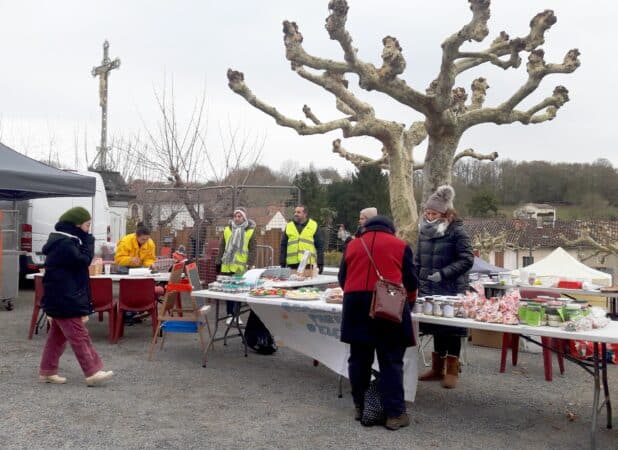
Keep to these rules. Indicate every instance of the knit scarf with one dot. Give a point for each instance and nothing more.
(433, 229)
(235, 243)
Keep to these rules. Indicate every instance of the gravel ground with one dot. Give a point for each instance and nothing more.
(278, 401)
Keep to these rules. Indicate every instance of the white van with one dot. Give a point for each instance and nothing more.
(38, 217)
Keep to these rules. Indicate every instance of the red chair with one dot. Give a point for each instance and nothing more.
(511, 340)
(103, 301)
(36, 307)
(135, 295)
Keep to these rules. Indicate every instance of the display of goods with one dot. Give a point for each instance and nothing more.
(228, 287)
(267, 292)
(493, 310)
(307, 293)
(333, 295)
(276, 273)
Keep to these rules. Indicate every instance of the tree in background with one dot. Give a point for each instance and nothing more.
(446, 112)
(483, 204)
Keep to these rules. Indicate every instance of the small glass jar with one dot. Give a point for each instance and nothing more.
(521, 311)
(428, 308)
(418, 306)
(448, 310)
(534, 315)
(437, 308)
(553, 317)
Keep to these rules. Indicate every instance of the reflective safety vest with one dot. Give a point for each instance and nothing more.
(241, 257)
(299, 243)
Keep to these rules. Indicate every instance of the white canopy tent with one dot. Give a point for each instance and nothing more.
(560, 264)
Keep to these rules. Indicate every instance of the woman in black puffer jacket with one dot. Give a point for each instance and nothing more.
(66, 299)
(443, 258)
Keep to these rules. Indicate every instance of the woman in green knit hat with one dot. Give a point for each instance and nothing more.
(67, 300)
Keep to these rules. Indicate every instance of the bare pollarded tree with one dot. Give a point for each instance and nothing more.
(444, 105)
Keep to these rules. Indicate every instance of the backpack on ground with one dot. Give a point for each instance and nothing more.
(258, 337)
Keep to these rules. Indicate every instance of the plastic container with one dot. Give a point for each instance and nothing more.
(428, 308)
(522, 311)
(534, 315)
(418, 306)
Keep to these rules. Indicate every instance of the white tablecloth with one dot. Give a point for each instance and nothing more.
(313, 329)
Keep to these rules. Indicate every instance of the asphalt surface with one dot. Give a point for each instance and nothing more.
(278, 401)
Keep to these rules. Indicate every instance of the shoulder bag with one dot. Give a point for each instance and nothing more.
(388, 297)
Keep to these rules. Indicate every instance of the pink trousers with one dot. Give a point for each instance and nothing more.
(74, 331)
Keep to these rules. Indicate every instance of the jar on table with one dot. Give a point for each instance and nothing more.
(437, 308)
(534, 315)
(418, 306)
(521, 311)
(428, 307)
(553, 316)
(448, 310)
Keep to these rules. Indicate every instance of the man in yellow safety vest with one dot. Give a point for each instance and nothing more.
(236, 250)
(301, 234)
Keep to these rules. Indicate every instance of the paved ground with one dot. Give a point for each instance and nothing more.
(278, 401)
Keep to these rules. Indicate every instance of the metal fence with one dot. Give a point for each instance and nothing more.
(196, 217)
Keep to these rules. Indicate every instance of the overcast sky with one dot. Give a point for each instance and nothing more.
(47, 94)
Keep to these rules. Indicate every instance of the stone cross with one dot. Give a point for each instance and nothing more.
(102, 72)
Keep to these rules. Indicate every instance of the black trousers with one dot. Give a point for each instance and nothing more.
(447, 344)
(390, 359)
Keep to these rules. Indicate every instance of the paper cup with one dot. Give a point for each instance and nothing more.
(108, 269)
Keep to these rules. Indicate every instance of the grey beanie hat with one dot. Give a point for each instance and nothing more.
(441, 200)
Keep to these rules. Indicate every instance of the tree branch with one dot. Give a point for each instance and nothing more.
(370, 78)
(360, 160)
(237, 84)
(475, 30)
(470, 153)
(537, 70)
(309, 115)
(502, 45)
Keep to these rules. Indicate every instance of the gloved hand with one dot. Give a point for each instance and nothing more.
(320, 268)
(218, 268)
(435, 277)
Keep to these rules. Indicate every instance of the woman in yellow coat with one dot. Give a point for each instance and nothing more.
(136, 249)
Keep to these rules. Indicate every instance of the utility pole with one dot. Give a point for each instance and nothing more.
(102, 72)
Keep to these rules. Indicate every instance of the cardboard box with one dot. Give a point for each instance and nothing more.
(484, 338)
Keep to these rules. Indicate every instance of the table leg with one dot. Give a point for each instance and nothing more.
(608, 405)
(211, 341)
(595, 398)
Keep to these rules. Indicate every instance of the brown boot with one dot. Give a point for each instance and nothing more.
(395, 423)
(437, 369)
(452, 372)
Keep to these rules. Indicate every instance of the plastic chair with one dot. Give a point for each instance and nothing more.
(173, 318)
(103, 301)
(511, 341)
(135, 295)
(35, 320)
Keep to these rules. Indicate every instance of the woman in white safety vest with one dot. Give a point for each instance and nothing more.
(236, 250)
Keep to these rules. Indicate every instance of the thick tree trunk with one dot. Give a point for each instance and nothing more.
(438, 162)
(401, 190)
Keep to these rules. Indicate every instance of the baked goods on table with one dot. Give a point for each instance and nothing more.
(267, 292)
(333, 295)
(305, 293)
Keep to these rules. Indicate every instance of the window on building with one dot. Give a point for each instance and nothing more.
(527, 260)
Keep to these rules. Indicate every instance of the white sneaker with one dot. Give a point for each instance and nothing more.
(229, 321)
(99, 377)
(240, 321)
(54, 379)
